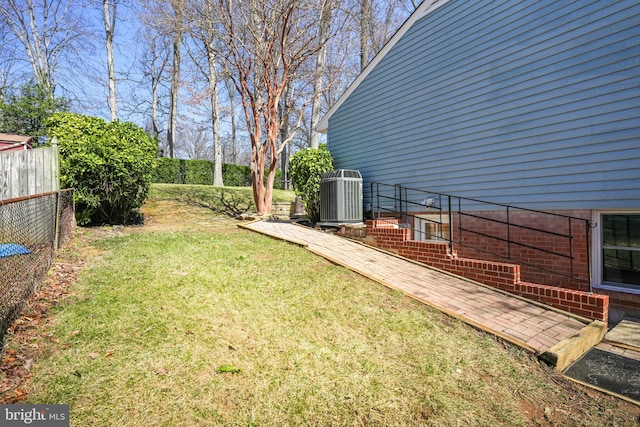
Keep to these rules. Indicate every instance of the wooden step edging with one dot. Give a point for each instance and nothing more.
(573, 348)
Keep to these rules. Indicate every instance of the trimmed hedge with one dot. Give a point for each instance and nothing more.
(180, 171)
(169, 171)
(236, 175)
(198, 172)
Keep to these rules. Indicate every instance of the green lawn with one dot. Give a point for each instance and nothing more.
(198, 322)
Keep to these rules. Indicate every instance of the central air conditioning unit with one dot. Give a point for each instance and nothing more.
(341, 197)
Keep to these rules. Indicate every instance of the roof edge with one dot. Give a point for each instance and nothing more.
(11, 138)
(426, 7)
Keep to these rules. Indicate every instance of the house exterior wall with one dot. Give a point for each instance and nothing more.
(532, 103)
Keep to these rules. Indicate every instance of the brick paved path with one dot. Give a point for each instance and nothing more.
(529, 325)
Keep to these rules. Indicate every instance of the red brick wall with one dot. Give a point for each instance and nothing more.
(593, 306)
(628, 304)
(386, 234)
(520, 232)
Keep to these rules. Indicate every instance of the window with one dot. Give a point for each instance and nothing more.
(621, 249)
(431, 227)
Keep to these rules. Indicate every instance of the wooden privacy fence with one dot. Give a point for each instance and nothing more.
(29, 172)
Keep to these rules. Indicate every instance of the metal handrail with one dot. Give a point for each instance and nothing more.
(382, 198)
(33, 196)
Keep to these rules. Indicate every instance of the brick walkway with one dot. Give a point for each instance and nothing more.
(526, 324)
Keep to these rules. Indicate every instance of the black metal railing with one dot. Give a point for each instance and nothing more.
(456, 220)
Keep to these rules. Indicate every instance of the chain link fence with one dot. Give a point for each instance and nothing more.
(31, 230)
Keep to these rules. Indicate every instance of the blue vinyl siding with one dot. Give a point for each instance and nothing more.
(531, 103)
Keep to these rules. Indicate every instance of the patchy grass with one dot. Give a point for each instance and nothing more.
(229, 201)
(176, 192)
(220, 326)
(198, 207)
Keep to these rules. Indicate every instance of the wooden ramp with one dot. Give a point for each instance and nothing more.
(530, 325)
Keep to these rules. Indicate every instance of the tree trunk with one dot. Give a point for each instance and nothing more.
(109, 28)
(232, 107)
(257, 173)
(271, 179)
(215, 115)
(323, 32)
(154, 103)
(284, 133)
(208, 36)
(173, 103)
(365, 25)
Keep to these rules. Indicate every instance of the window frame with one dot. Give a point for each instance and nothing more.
(597, 270)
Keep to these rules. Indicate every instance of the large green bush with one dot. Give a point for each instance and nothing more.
(305, 170)
(110, 165)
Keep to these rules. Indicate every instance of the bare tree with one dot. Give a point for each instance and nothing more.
(379, 20)
(194, 142)
(232, 114)
(7, 60)
(154, 62)
(46, 29)
(159, 59)
(109, 9)
(285, 114)
(164, 29)
(268, 41)
(204, 31)
(177, 32)
(361, 27)
(324, 27)
(387, 17)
